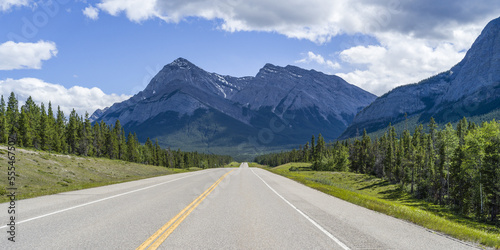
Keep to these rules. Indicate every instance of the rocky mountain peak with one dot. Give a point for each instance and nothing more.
(181, 63)
(470, 88)
(187, 107)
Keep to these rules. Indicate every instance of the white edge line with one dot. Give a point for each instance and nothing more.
(340, 243)
(96, 201)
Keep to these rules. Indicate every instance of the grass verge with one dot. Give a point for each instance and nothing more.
(40, 173)
(233, 165)
(379, 195)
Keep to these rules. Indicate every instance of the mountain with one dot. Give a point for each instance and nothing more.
(281, 107)
(469, 89)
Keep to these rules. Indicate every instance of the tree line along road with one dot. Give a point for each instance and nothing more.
(239, 208)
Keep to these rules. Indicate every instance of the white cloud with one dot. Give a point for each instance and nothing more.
(136, 10)
(79, 98)
(25, 55)
(319, 59)
(316, 20)
(5, 5)
(398, 60)
(439, 33)
(91, 12)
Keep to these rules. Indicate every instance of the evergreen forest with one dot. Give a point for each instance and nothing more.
(42, 128)
(456, 166)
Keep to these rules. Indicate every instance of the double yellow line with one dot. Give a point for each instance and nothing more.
(161, 235)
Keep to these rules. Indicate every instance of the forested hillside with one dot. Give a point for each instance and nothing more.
(41, 128)
(457, 167)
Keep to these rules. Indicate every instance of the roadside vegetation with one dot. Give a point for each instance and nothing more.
(42, 128)
(40, 173)
(454, 169)
(50, 152)
(380, 195)
(233, 165)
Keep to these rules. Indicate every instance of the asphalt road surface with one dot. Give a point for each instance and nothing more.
(242, 208)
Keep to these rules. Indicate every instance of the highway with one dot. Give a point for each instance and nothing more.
(239, 208)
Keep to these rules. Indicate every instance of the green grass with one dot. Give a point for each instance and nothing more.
(233, 165)
(379, 195)
(40, 173)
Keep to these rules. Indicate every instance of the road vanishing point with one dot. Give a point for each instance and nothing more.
(224, 208)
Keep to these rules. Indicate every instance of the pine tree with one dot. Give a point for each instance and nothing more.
(462, 130)
(60, 144)
(12, 115)
(122, 146)
(158, 154)
(313, 147)
(111, 143)
(42, 128)
(306, 155)
(491, 174)
(187, 160)
(365, 153)
(148, 152)
(432, 130)
(72, 132)
(3, 122)
(24, 136)
(388, 159)
(418, 159)
(51, 128)
(132, 148)
(85, 146)
(33, 112)
(180, 160)
(460, 181)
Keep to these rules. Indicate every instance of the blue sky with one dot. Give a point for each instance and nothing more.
(90, 54)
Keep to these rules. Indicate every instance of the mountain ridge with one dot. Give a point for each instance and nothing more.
(469, 89)
(276, 97)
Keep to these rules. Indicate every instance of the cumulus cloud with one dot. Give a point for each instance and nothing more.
(136, 10)
(319, 59)
(441, 31)
(91, 12)
(79, 98)
(316, 20)
(398, 60)
(6, 5)
(25, 55)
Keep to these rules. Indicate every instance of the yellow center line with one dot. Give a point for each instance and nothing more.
(161, 235)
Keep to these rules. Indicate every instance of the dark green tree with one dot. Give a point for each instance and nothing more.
(3, 122)
(12, 115)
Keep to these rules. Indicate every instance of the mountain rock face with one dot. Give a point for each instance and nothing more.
(281, 107)
(469, 89)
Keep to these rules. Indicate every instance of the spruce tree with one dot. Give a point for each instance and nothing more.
(3, 123)
(491, 176)
(313, 147)
(24, 135)
(85, 146)
(132, 144)
(12, 115)
(432, 130)
(148, 151)
(60, 144)
(72, 132)
(51, 126)
(42, 128)
(33, 112)
(365, 152)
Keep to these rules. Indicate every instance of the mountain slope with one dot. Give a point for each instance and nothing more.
(469, 89)
(186, 107)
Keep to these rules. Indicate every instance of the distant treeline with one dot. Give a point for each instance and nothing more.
(458, 167)
(38, 127)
